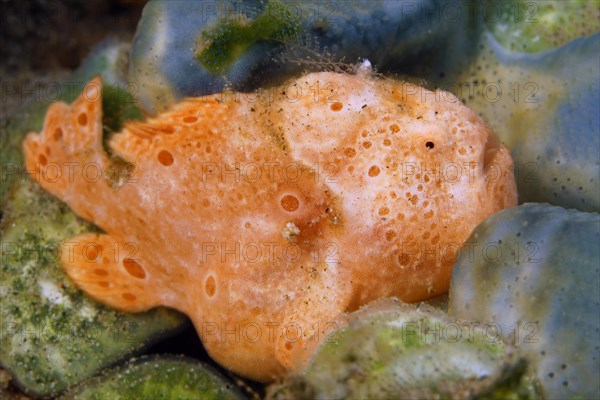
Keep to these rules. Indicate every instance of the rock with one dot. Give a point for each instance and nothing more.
(158, 377)
(389, 349)
(534, 271)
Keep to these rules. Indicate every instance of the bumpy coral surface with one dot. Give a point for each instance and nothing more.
(264, 216)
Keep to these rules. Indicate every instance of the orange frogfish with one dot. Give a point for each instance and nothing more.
(264, 216)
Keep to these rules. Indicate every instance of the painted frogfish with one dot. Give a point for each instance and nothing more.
(264, 216)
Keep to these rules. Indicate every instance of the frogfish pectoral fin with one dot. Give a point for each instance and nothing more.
(108, 271)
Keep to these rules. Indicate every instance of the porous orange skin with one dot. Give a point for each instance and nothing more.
(264, 217)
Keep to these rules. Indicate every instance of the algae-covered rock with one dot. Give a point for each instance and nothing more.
(13, 130)
(534, 271)
(394, 350)
(533, 26)
(157, 377)
(193, 48)
(52, 336)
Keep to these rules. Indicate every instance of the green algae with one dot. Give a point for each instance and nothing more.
(158, 377)
(231, 38)
(534, 26)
